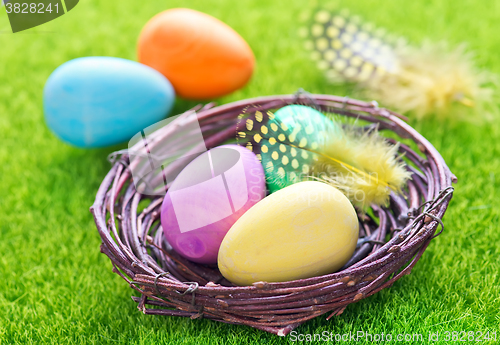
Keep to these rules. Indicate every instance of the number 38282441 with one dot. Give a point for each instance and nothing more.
(31, 8)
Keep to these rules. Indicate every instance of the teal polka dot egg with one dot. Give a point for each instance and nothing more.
(293, 135)
(102, 101)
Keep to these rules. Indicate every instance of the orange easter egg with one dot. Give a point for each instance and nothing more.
(200, 55)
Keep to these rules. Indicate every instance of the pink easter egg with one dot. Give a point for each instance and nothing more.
(206, 199)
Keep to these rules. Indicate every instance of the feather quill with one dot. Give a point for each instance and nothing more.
(299, 145)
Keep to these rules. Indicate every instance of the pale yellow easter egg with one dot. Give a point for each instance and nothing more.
(301, 231)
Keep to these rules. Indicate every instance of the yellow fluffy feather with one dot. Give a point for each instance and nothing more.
(364, 166)
(432, 79)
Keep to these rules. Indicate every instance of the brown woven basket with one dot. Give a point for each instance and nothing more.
(391, 241)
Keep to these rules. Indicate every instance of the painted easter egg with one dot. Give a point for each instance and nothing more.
(300, 132)
(202, 56)
(207, 197)
(301, 231)
(102, 101)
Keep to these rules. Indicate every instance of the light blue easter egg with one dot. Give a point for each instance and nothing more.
(102, 101)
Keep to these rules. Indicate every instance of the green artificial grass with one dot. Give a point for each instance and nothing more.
(57, 288)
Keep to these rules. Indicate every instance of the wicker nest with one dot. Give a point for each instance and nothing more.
(392, 239)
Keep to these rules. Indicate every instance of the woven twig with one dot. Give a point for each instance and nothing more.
(389, 247)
